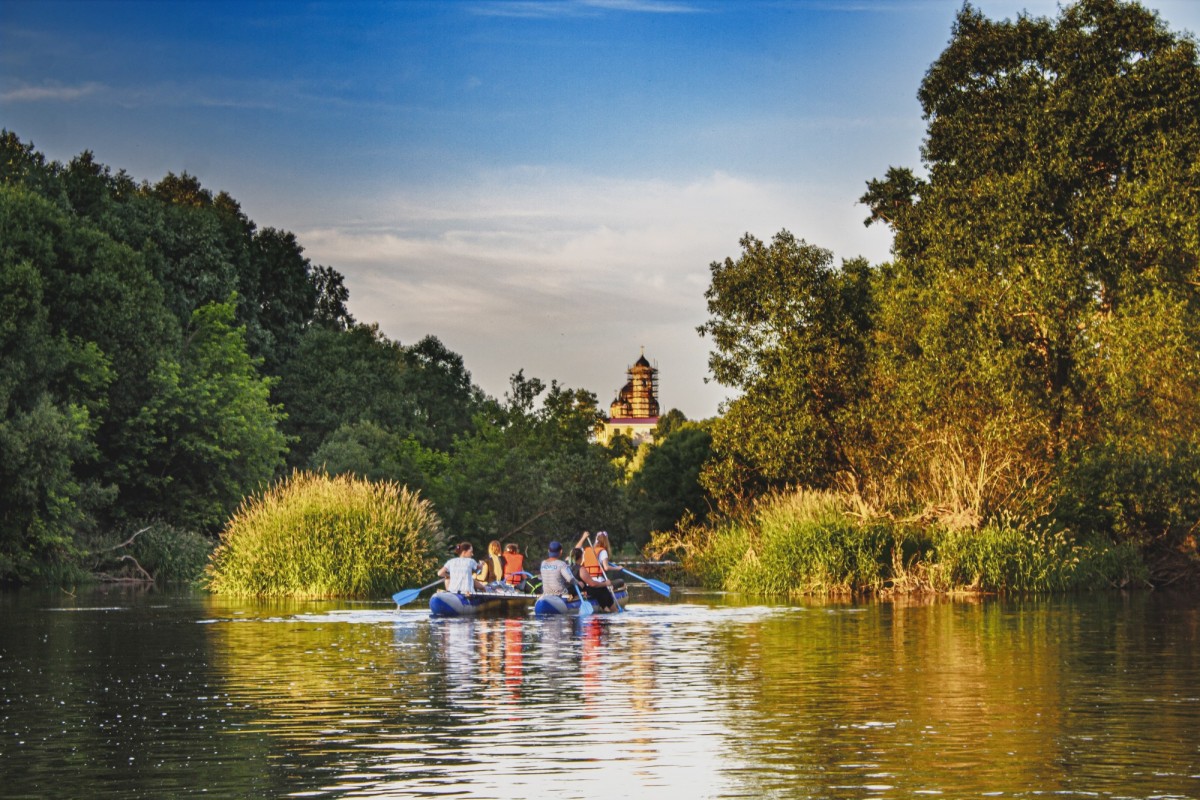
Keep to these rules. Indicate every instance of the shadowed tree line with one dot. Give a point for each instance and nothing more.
(162, 357)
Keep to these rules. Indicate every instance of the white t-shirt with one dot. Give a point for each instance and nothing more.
(462, 574)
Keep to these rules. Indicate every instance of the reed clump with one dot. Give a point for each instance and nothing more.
(831, 543)
(313, 535)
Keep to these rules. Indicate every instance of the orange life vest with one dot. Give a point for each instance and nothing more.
(514, 563)
(591, 562)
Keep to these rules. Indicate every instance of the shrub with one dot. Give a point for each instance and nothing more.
(808, 542)
(172, 554)
(1004, 558)
(313, 535)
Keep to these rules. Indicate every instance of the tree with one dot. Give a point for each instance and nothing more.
(1062, 196)
(440, 386)
(792, 333)
(339, 377)
(50, 388)
(528, 467)
(667, 487)
(216, 431)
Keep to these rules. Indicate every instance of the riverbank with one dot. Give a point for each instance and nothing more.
(827, 543)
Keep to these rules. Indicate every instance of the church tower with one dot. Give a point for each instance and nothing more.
(634, 412)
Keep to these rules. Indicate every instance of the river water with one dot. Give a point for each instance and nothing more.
(164, 694)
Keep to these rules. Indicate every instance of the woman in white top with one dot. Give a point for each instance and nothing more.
(459, 571)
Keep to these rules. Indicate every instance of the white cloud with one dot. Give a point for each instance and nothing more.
(49, 92)
(550, 9)
(567, 275)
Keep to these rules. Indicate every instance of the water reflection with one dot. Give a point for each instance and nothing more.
(710, 696)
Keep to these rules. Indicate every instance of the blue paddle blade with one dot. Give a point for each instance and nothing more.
(405, 597)
(408, 595)
(585, 608)
(657, 586)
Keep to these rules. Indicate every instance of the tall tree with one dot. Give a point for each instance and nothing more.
(1061, 205)
(791, 332)
(210, 414)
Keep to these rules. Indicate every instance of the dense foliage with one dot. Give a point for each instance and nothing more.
(1031, 355)
(820, 542)
(161, 357)
(313, 535)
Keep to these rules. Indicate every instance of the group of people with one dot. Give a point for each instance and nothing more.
(501, 565)
(589, 569)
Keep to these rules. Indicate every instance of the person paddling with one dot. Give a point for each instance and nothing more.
(556, 575)
(596, 589)
(459, 571)
(595, 558)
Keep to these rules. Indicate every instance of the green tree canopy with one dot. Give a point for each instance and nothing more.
(791, 331)
(1059, 223)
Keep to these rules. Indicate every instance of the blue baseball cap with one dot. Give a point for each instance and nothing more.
(555, 548)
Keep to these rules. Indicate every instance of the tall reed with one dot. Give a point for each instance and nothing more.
(313, 535)
(809, 542)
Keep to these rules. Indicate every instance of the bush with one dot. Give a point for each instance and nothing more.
(809, 542)
(1003, 558)
(312, 535)
(798, 543)
(172, 555)
(1147, 496)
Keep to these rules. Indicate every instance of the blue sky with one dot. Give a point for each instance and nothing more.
(542, 184)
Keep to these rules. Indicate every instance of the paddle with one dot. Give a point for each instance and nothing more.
(612, 589)
(585, 608)
(657, 586)
(408, 595)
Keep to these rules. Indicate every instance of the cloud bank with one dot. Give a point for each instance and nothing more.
(567, 276)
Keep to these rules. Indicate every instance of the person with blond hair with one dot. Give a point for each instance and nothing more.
(491, 569)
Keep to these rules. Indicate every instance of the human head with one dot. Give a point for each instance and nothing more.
(511, 547)
(577, 555)
(555, 550)
(602, 541)
(464, 549)
(494, 547)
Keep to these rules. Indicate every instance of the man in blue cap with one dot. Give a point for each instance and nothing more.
(556, 575)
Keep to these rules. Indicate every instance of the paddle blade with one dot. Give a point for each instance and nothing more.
(406, 597)
(585, 608)
(657, 586)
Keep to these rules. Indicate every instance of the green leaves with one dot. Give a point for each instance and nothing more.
(792, 332)
(213, 430)
(1044, 267)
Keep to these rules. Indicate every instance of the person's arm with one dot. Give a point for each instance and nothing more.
(582, 538)
(591, 580)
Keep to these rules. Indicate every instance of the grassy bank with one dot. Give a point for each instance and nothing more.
(313, 535)
(809, 542)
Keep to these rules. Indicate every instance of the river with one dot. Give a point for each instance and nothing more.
(123, 693)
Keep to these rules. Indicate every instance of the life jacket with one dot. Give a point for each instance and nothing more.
(591, 562)
(514, 563)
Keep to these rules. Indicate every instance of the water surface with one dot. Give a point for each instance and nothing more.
(135, 694)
